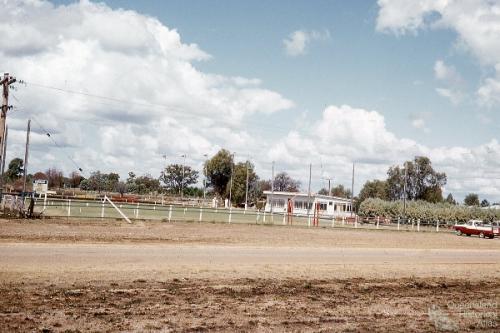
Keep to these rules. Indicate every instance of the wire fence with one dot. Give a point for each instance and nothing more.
(85, 209)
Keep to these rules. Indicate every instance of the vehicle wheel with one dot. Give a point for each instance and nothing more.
(459, 232)
(481, 235)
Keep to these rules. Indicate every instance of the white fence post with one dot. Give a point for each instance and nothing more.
(398, 222)
(343, 220)
(284, 218)
(69, 207)
(437, 225)
(308, 220)
(102, 210)
(137, 211)
(378, 221)
(201, 214)
(264, 220)
(333, 221)
(170, 213)
(230, 214)
(418, 225)
(356, 221)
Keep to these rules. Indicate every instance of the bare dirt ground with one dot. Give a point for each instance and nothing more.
(70, 276)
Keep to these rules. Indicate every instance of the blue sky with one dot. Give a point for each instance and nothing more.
(428, 71)
(357, 65)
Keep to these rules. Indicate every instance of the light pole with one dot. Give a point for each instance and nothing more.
(246, 190)
(164, 169)
(205, 180)
(404, 192)
(231, 183)
(272, 188)
(329, 185)
(163, 173)
(182, 181)
(352, 190)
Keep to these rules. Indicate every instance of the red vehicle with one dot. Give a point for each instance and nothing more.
(476, 227)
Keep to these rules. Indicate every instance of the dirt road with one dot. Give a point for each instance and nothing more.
(109, 276)
(209, 261)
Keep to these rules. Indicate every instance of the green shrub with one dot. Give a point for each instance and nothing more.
(425, 211)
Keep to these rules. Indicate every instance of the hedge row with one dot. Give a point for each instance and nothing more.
(426, 211)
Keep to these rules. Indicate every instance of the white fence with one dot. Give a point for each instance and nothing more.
(170, 213)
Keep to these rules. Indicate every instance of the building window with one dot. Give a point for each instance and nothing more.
(279, 203)
(330, 203)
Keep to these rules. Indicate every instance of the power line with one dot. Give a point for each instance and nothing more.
(57, 144)
(179, 111)
(47, 133)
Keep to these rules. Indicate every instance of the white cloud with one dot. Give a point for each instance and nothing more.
(489, 92)
(454, 96)
(453, 81)
(419, 121)
(446, 73)
(297, 41)
(402, 16)
(169, 107)
(477, 23)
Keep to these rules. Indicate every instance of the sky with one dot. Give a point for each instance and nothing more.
(133, 85)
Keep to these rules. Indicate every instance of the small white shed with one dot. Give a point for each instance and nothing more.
(303, 204)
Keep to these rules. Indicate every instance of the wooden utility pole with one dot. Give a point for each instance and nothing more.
(2, 153)
(5, 83)
(26, 153)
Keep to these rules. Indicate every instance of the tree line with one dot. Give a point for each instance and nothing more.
(415, 180)
(55, 177)
(221, 176)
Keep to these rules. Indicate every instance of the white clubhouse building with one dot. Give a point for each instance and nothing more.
(303, 204)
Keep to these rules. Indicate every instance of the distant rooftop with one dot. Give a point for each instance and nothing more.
(303, 194)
